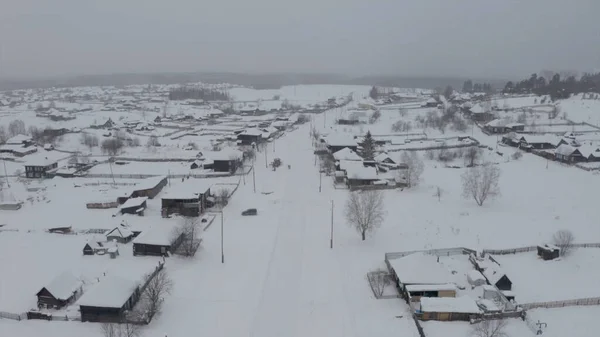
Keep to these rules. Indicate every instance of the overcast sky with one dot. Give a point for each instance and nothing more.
(476, 38)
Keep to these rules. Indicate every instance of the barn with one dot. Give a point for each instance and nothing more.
(134, 206)
(148, 187)
(226, 161)
(189, 199)
(61, 291)
(108, 300)
(156, 241)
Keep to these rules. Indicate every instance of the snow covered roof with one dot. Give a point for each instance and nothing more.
(340, 140)
(120, 232)
(497, 123)
(488, 305)
(493, 274)
(512, 125)
(111, 292)
(64, 285)
(134, 202)
(431, 287)
(474, 276)
(431, 100)
(420, 268)
(226, 154)
(564, 150)
(346, 154)
(477, 108)
(252, 132)
(190, 189)
(362, 173)
(539, 139)
(149, 183)
(40, 161)
(588, 150)
(464, 305)
(18, 139)
(382, 156)
(156, 235)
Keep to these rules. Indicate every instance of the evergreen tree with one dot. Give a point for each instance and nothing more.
(374, 94)
(367, 147)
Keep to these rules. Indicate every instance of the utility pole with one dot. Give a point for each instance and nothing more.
(111, 170)
(5, 173)
(222, 252)
(320, 178)
(331, 240)
(253, 179)
(266, 165)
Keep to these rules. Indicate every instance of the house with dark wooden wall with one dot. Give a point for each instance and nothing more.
(60, 292)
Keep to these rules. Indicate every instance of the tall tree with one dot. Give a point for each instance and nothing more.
(468, 86)
(448, 92)
(365, 211)
(367, 147)
(374, 93)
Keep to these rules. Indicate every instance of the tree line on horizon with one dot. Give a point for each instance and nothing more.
(183, 92)
(557, 87)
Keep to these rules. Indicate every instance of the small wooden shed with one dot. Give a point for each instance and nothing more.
(548, 252)
(119, 234)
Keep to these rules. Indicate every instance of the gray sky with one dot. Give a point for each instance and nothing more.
(477, 38)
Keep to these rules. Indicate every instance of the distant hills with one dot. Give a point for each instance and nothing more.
(258, 81)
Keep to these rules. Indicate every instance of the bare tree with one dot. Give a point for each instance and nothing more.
(159, 287)
(481, 182)
(90, 141)
(490, 328)
(120, 330)
(415, 167)
(112, 146)
(327, 164)
(563, 239)
(187, 232)
(402, 112)
(365, 211)
(16, 127)
(135, 142)
(3, 134)
(473, 153)
(222, 197)
(249, 154)
(375, 116)
(153, 142)
(379, 279)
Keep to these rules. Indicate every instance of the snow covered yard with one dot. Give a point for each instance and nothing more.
(515, 327)
(30, 260)
(569, 321)
(536, 280)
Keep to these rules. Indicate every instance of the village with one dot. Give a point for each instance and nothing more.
(138, 206)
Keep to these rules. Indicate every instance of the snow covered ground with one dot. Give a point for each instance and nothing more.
(572, 277)
(280, 278)
(570, 321)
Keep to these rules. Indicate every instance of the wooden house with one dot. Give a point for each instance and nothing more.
(417, 291)
(336, 142)
(361, 176)
(134, 206)
(149, 187)
(119, 234)
(61, 291)
(189, 199)
(156, 241)
(93, 247)
(250, 136)
(39, 168)
(448, 309)
(346, 154)
(548, 252)
(108, 300)
(226, 161)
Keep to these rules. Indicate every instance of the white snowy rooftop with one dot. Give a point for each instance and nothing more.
(134, 202)
(340, 140)
(346, 154)
(225, 154)
(148, 183)
(111, 292)
(18, 139)
(361, 172)
(464, 305)
(188, 189)
(120, 232)
(160, 235)
(420, 268)
(64, 285)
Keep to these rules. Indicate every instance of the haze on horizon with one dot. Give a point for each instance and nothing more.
(470, 38)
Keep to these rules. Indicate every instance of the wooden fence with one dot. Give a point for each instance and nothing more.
(561, 304)
(437, 252)
(13, 316)
(533, 248)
